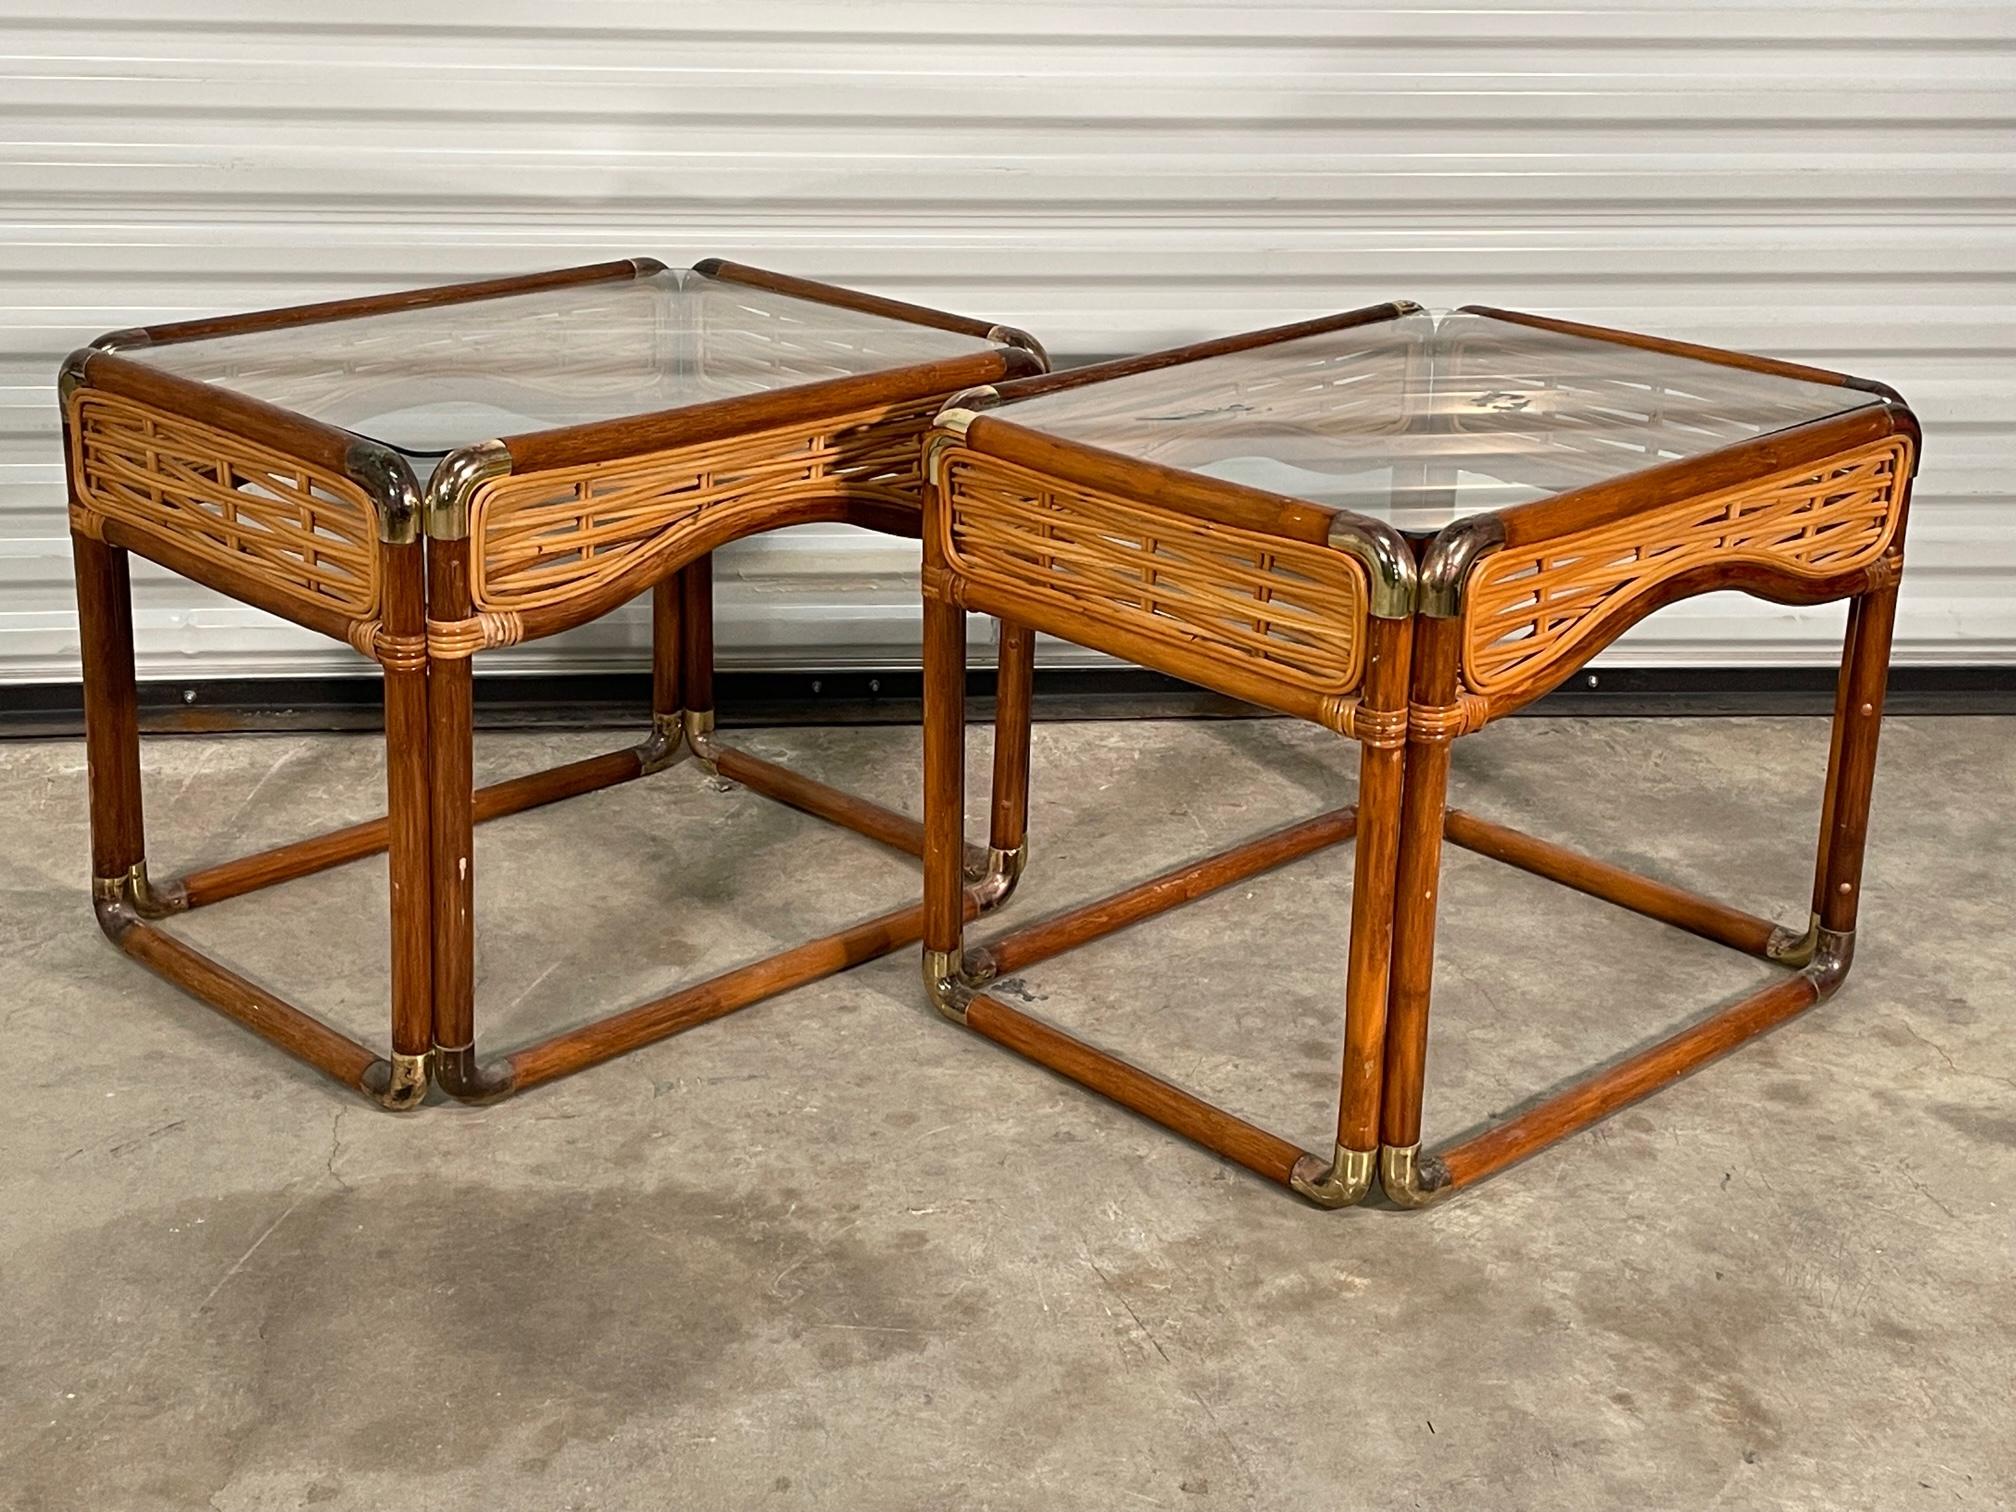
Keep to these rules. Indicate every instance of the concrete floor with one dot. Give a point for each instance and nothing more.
(832, 1253)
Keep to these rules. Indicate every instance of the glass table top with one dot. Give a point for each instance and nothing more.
(1422, 419)
(427, 381)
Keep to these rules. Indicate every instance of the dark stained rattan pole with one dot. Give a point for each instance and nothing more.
(407, 778)
(301, 858)
(1381, 771)
(1604, 1092)
(1599, 879)
(1008, 824)
(1024, 946)
(1436, 643)
(666, 648)
(606, 1038)
(451, 757)
(329, 1051)
(944, 764)
(696, 627)
(111, 706)
(1225, 1133)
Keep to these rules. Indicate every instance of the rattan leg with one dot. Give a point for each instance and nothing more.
(451, 756)
(668, 705)
(696, 657)
(409, 835)
(111, 714)
(944, 803)
(1347, 1175)
(1008, 822)
(1851, 776)
(1406, 1179)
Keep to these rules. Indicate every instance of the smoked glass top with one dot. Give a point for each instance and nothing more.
(1421, 420)
(430, 380)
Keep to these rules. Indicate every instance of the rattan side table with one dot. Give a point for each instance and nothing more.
(1403, 527)
(333, 464)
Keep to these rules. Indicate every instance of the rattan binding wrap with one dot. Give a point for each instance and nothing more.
(544, 538)
(1530, 609)
(308, 534)
(1288, 610)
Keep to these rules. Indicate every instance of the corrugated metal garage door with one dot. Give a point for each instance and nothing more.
(1830, 182)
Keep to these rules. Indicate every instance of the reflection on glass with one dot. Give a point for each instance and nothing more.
(429, 380)
(1421, 419)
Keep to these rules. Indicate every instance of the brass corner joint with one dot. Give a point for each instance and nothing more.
(1833, 954)
(388, 481)
(660, 749)
(1021, 340)
(1410, 1181)
(1445, 570)
(402, 1085)
(456, 1069)
(1793, 948)
(455, 481)
(1388, 562)
(699, 724)
(949, 983)
(1344, 1181)
(132, 890)
(72, 376)
(996, 882)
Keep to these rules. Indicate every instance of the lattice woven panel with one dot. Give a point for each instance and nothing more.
(1258, 603)
(309, 534)
(1531, 608)
(546, 537)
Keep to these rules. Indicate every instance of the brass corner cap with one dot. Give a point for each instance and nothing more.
(1342, 1182)
(458, 477)
(1410, 1180)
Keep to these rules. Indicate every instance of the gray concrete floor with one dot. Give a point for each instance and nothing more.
(832, 1253)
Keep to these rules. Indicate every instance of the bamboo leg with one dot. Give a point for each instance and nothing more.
(451, 756)
(111, 715)
(1851, 776)
(1008, 824)
(408, 831)
(668, 707)
(1405, 1179)
(1348, 1175)
(944, 794)
(696, 657)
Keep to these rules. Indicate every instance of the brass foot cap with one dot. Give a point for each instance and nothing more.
(1344, 1180)
(950, 982)
(399, 1083)
(1409, 1180)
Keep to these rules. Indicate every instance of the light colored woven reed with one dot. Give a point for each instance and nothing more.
(451, 640)
(1255, 602)
(1530, 609)
(308, 534)
(544, 538)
